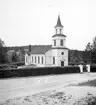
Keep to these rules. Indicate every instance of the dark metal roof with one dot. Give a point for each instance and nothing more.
(62, 35)
(58, 22)
(40, 49)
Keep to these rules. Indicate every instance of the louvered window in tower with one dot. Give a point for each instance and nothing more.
(61, 42)
(53, 60)
(54, 42)
(60, 31)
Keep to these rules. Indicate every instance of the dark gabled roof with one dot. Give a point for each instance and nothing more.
(58, 22)
(61, 35)
(40, 49)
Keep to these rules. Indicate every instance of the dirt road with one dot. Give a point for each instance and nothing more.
(10, 88)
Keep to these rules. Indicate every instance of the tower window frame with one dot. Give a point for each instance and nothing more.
(54, 42)
(61, 42)
(53, 60)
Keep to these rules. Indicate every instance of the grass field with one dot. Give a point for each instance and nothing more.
(88, 83)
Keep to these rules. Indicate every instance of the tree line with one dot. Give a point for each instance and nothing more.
(11, 55)
(91, 48)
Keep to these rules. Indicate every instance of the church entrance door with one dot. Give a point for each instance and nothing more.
(62, 63)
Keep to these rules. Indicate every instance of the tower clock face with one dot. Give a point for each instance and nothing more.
(62, 53)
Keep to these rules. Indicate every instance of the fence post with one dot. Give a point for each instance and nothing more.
(81, 68)
(88, 68)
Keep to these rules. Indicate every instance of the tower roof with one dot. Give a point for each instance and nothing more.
(59, 35)
(59, 22)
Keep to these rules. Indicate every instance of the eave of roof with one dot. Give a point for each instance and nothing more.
(60, 48)
(59, 35)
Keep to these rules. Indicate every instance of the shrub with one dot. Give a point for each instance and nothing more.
(24, 72)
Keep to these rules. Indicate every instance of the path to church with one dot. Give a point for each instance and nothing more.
(10, 88)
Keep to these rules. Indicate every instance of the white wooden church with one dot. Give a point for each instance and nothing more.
(50, 55)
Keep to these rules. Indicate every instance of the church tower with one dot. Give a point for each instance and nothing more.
(59, 50)
(59, 38)
(59, 26)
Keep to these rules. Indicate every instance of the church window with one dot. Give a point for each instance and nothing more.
(38, 59)
(35, 59)
(62, 53)
(32, 58)
(42, 60)
(53, 60)
(61, 42)
(54, 42)
(60, 31)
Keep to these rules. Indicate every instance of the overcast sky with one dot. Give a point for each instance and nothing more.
(24, 22)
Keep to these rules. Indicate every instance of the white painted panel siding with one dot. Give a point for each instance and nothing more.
(59, 57)
(38, 61)
(48, 56)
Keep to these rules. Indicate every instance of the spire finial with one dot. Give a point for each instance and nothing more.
(58, 13)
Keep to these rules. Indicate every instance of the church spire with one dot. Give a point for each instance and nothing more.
(58, 22)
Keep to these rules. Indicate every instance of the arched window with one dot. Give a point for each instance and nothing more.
(54, 42)
(38, 59)
(42, 60)
(35, 59)
(61, 42)
(53, 60)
